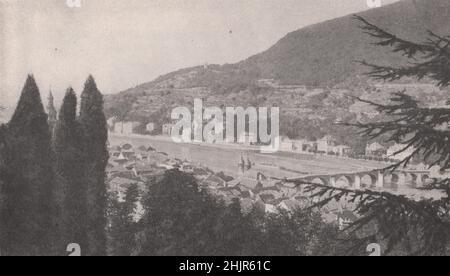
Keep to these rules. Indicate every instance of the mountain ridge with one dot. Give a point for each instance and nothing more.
(313, 66)
(304, 57)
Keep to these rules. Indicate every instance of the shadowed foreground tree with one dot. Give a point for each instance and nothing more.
(71, 188)
(2, 177)
(94, 142)
(424, 225)
(184, 220)
(122, 226)
(26, 217)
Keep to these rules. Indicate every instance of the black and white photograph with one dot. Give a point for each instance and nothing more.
(248, 129)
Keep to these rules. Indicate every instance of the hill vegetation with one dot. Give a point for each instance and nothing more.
(310, 73)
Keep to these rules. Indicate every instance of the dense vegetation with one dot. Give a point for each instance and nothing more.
(52, 189)
(53, 193)
(423, 225)
(183, 220)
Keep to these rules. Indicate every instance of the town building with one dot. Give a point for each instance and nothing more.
(286, 144)
(126, 127)
(150, 127)
(342, 150)
(326, 144)
(398, 152)
(302, 145)
(375, 149)
(167, 129)
(111, 122)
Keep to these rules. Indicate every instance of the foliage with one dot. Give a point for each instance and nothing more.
(122, 226)
(70, 188)
(26, 216)
(182, 219)
(423, 129)
(95, 136)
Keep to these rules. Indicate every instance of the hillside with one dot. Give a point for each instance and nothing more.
(308, 73)
(323, 54)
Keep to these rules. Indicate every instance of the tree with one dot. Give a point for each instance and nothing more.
(122, 222)
(2, 177)
(71, 188)
(399, 219)
(26, 218)
(95, 136)
(175, 215)
(301, 232)
(184, 220)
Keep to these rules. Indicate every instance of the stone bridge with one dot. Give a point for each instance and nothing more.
(371, 179)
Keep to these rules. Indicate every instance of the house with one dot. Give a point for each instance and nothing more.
(121, 159)
(143, 169)
(342, 150)
(398, 152)
(128, 154)
(126, 127)
(302, 145)
(126, 146)
(167, 129)
(326, 144)
(286, 144)
(111, 121)
(375, 149)
(115, 154)
(213, 180)
(142, 156)
(150, 127)
(130, 127)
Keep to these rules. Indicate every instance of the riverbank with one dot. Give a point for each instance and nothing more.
(225, 157)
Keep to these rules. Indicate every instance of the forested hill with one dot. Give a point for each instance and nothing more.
(320, 56)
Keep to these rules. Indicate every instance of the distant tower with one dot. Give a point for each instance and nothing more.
(52, 114)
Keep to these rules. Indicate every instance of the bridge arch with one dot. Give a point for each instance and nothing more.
(319, 180)
(344, 181)
(368, 180)
(395, 179)
(414, 179)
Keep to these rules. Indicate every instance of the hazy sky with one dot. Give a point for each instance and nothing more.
(126, 42)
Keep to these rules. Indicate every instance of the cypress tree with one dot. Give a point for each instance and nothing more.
(71, 189)
(27, 214)
(95, 135)
(2, 176)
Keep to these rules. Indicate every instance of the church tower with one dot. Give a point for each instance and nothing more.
(52, 114)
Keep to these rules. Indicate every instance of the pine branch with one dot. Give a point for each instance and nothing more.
(432, 58)
(409, 49)
(386, 209)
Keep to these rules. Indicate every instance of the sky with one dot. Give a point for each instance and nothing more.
(123, 43)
